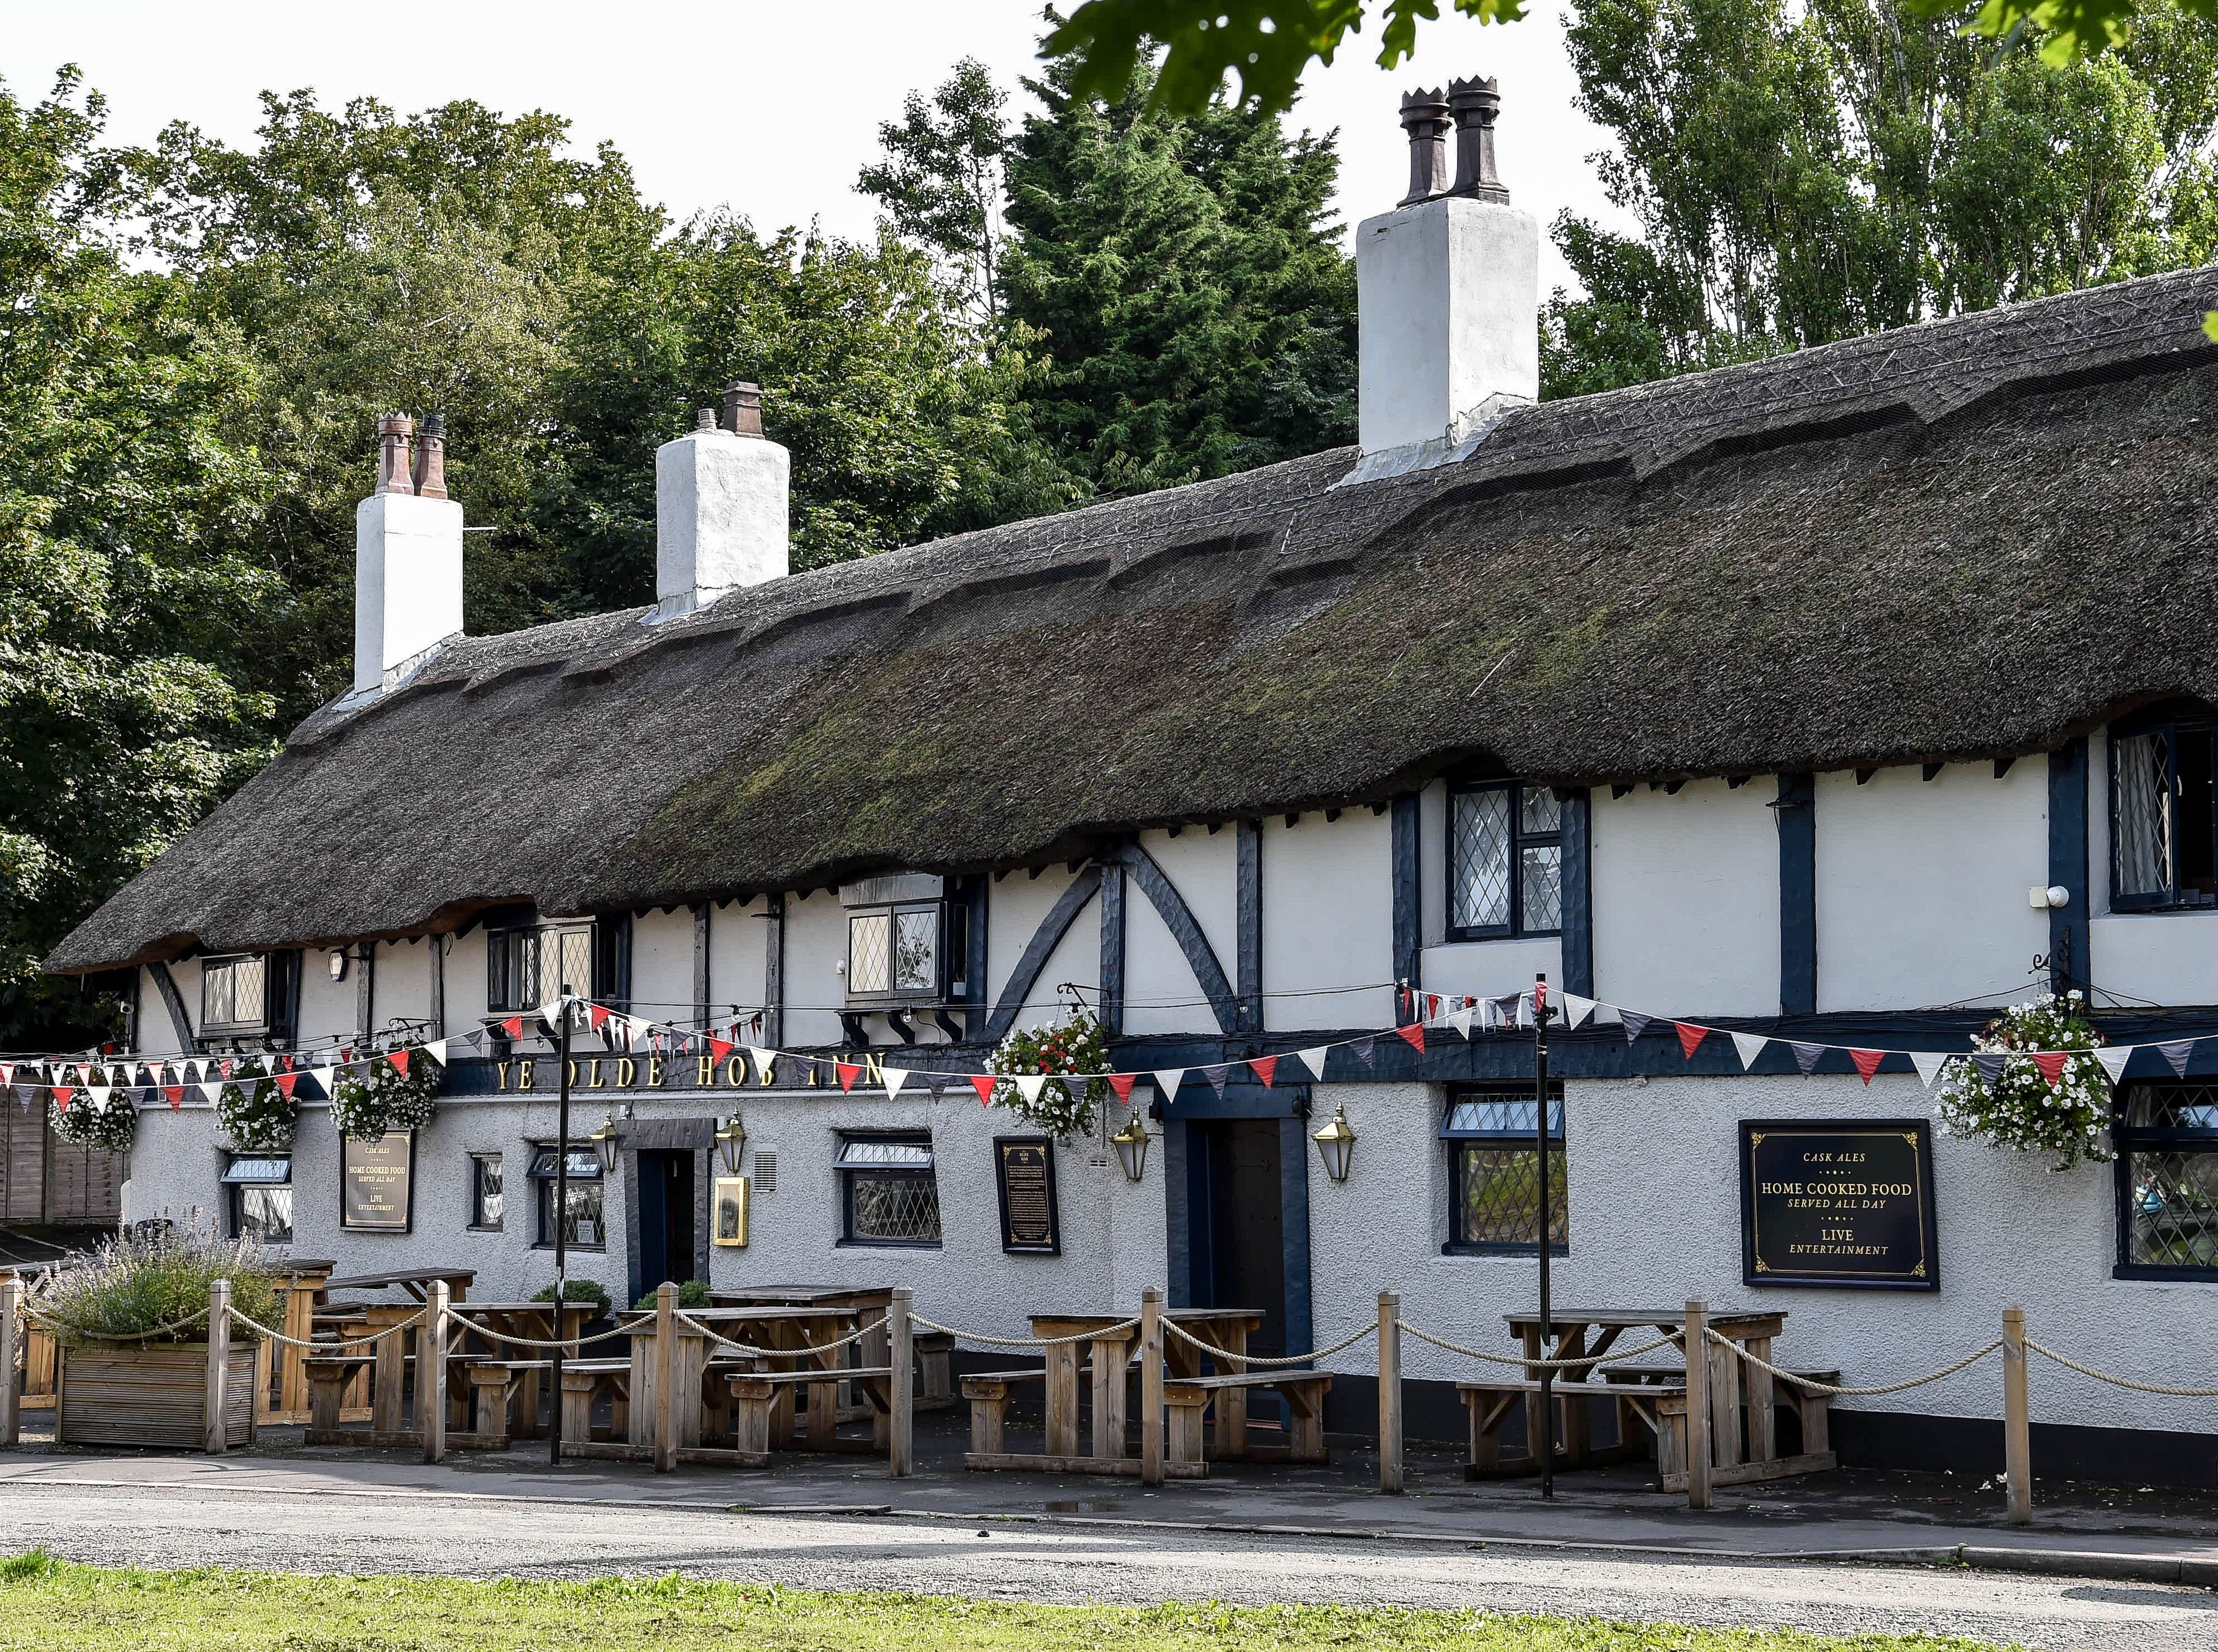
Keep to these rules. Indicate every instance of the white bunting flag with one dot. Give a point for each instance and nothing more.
(99, 1093)
(897, 1076)
(2114, 1058)
(1313, 1059)
(1575, 1009)
(327, 1076)
(1750, 1046)
(8, 1077)
(208, 1092)
(437, 1049)
(1167, 1080)
(1460, 1020)
(765, 1061)
(1928, 1063)
(1029, 1086)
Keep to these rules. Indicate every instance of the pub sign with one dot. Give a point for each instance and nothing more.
(377, 1182)
(1838, 1202)
(1023, 1174)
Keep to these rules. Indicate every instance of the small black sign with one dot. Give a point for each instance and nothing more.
(1838, 1202)
(377, 1182)
(1024, 1173)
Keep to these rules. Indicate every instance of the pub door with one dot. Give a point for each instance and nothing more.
(1236, 1217)
(664, 1217)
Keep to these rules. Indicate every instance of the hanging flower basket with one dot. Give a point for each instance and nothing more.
(2065, 1111)
(107, 1122)
(366, 1107)
(257, 1115)
(1075, 1044)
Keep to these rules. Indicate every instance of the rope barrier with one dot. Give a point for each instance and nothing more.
(1728, 1344)
(66, 1329)
(1023, 1342)
(750, 1350)
(331, 1345)
(1179, 1332)
(1582, 1362)
(571, 1344)
(2122, 1381)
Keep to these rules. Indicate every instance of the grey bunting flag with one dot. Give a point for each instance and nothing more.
(2180, 1052)
(1363, 1048)
(937, 1084)
(1634, 1024)
(1805, 1056)
(1989, 1068)
(476, 1040)
(1217, 1076)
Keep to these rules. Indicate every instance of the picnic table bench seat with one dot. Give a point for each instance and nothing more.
(1186, 1399)
(754, 1392)
(328, 1376)
(584, 1381)
(988, 1395)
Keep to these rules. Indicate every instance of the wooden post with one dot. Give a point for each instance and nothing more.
(1697, 1405)
(2017, 1442)
(218, 1362)
(431, 1375)
(11, 1355)
(666, 1379)
(1389, 1391)
(902, 1357)
(1151, 1386)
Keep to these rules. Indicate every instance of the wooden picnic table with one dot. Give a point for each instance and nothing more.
(305, 1287)
(1578, 1332)
(872, 1302)
(1226, 1329)
(536, 1322)
(417, 1282)
(785, 1328)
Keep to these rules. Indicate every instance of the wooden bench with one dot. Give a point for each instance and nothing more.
(493, 1384)
(328, 1377)
(935, 1359)
(755, 1392)
(1186, 1399)
(988, 1395)
(584, 1381)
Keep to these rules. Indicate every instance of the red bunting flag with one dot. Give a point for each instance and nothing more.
(719, 1050)
(848, 1073)
(224, 1067)
(2051, 1063)
(176, 1092)
(513, 1026)
(599, 1016)
(1867, 1061)
(284, 1063)
(983, 1083)
(287, 1080)
(1264, 1065)
(62, 1094)
(1415, 1036)
(1690, 1036)
(399, 1059)
(1120, 1085)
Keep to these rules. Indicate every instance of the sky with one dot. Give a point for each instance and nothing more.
(767, 109)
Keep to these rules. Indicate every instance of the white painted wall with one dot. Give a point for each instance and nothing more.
(467, 989)
(1328, 921)
(662, 964)
(1015, 908)
(739, 949)
(158, 1033)
(815, 951)
(327, 1007)
(1490, 968)
(1686, 898)
(1160, 991)
(403, 981)
(2165, 957)
(1922, 885)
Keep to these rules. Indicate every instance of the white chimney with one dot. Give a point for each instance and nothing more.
(1447, 294)
(407, 557)
(720, 508)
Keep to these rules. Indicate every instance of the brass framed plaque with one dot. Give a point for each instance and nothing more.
(377, 1182)
(731, 1212)
(1838, 1202)
(1024, 1176)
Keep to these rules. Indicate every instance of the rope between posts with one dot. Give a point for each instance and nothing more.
(1728, 1344)
(1585, 1362)
(1022, 1342)
(750, 1350)
(1176, 1330)
(2122, 1381)
(326, 1347)
(570, 1344)
(67, 1329)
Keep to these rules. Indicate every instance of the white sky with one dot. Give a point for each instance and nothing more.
(734, 103)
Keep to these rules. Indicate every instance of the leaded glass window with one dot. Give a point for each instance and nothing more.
(259, 1191)
(1494, 1172)
(235, 993)
(585, 1229)
(527, 967)
(2164, 818)
(890, 1190)
(895, 952)
(1505, 861)
(2167, 1142)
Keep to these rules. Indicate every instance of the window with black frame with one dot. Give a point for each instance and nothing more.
(2163, 811)
(905, 952)
(586, 1230)
(486, 1192)
(528, 966)
(246, 995)
(1494, 1172)
(258, 1197)
(888, 1191)
(1505, 861)
(2166, 1136)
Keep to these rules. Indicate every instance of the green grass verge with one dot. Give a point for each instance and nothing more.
(49, 1604)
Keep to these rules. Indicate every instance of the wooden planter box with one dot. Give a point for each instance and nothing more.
(126, 1394)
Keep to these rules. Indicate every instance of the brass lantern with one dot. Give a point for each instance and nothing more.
(605, 1144)
(1336, 1143)
(731, 1142)
(1132, 1145)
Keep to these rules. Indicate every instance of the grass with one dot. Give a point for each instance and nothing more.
(49, 1604)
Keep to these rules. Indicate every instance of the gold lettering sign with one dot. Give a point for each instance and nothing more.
(626, 1069)
(375, 1180)
(1838, 1203)
(501, 1068)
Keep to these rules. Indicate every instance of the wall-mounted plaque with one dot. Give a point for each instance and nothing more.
(1024, 1173)
(1838, 1202)
(731, 1212)
(377, 1182)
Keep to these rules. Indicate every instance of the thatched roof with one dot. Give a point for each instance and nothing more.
(1971, 538)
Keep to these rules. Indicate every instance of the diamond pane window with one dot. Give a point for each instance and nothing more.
(916, 950)
(2164, 810)
(867, 952)
(890, 1194)
(527, 967)
(1505, 861)
(1494, 1171)
(2167, 1140)
(234, 994)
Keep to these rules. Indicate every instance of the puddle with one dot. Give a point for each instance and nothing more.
(1082, 1505)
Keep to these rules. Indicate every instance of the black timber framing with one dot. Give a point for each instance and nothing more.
(181, 1023)
(1797, 811)
(1038, 950)
(2068, 931)
(1408, 910)
(773, 1031)
(1578, 893)
(1178, 917)
(437, 965)
(1113, 947)
(1247, 915)
(701, 920)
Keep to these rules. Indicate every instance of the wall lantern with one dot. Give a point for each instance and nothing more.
(1132, 1145)
(1336, 1143)
(731, 1142)
(339, 962)
(605, 1144)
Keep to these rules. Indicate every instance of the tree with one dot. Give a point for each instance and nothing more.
(1184, 285)
(939, 180)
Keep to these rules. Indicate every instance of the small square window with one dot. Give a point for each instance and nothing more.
(258, 1193)
(527, 967)
(485, 1191)
(235, 994)
(585, 1229)
(2167, 1141)
(897, 952)
(888, 1193)
(1505, 861)
(1494, 1180)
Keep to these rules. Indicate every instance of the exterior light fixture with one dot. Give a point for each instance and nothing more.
(605, 1144)
(338, 963)
(1336, 1143)
(731, 1142)
(1132, 1145)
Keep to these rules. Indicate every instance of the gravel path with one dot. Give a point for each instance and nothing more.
(482, 1537)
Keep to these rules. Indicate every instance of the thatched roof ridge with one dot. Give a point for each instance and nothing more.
(1970, 538)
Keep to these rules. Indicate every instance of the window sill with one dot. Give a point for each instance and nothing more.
(2163, 1275)
(888, 1244)
(473, 1227)
(1461, 1247)
(547, 1245)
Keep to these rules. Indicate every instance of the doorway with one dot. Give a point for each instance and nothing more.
(1236, 1227)
(666, 1196)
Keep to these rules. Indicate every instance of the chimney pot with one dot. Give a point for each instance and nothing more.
(393, 469)
(1424, 118)
(1477, 104)
(431, 458)
(743, 409)
(407, 560)
(704, 418)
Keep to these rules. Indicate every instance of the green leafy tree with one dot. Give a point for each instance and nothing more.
(939, 180)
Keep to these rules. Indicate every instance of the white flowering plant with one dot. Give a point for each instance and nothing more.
(257, 1115)
(1076, 1043)
(368, 1105)
(2021, 1106)
(108, 1122)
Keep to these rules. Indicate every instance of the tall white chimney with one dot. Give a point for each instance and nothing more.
(1447, 292)
(720, 508)
(407, 556)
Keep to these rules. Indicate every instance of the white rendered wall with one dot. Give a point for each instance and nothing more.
(739, 950)
(1327, 892)
(1922, 885)
(2165, 957)
(327, 1007)
(403, 981)
(1015, 907)
(466, 986)
(816, 952)
(158, 1034)
(1686, 898)
(1161, 993)
(662, 963)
